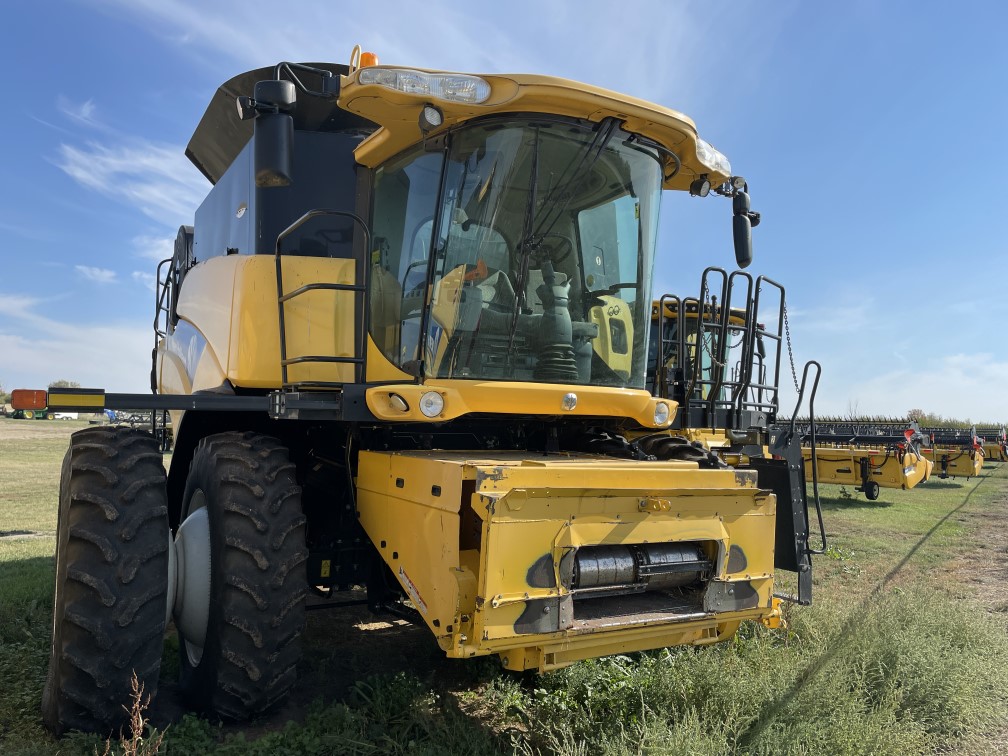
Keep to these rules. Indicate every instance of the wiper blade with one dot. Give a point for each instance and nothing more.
(525, 247)
(533, 233)
(589, 156)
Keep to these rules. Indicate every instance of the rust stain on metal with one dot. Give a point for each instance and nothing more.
(494, 474)
(746, 478)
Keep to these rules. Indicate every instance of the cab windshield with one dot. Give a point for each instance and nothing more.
(522, 252)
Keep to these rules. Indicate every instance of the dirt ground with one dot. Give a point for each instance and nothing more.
(984, 570)
(342, 647)
(985, 566)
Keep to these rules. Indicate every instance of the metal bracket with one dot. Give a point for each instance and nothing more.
(301, 405)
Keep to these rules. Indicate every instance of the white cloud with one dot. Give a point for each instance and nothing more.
(52, 126)
(154, 248)
(259, 40)
(156, 178)
(655, 50)
(842, 316)
(146, 279)
(83, 113)
(98, 275)
(37, 349)
(961, 386)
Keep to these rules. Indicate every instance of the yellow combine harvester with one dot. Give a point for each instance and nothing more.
(405, 347)
(955, 452)
(869, 454)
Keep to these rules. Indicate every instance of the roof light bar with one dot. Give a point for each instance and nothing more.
(440, 86)
(712, 158)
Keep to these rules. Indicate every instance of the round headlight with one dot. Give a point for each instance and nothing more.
(661, 413)
(430, 118)
(431, 404)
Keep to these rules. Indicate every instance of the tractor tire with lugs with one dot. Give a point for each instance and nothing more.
(247, 664)
(111, 579)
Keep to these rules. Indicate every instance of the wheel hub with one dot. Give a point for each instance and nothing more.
(189, 581)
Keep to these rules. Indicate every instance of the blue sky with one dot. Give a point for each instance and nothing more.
(872, 135)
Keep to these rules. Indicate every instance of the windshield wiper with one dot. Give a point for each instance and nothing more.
(566, 189)
(532, 233)
(525, 247)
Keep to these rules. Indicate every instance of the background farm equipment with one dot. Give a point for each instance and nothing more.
(994, 442)
(28, 414)
(868, 453)
(956, 452)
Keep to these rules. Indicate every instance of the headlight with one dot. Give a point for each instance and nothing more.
(450, 87)
(661, 413)
(712, 158)
(431, 404)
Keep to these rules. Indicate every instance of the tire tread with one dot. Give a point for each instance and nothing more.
(259, 584)
(112, 588)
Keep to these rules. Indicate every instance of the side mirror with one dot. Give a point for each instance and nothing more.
(742, 234)
(742, 223)
(273, 133)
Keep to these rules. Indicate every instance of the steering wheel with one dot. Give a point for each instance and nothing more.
(561, 249)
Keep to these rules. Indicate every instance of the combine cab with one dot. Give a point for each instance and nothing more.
(405, 347)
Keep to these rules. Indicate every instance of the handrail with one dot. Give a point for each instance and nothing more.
(360, 289)
(661, 372)
(777, 336)
(160, 303)
(815, 467)
(739, 381)
(697, 361)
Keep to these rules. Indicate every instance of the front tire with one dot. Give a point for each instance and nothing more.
(246, 663)
(111, 579)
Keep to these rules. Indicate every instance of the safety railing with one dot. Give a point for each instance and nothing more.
(359, 289)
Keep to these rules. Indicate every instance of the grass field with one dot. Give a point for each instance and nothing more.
(904, 652)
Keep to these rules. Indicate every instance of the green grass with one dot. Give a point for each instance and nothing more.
(907, 531)
(29, 485)
(30, 477)
(895, 657)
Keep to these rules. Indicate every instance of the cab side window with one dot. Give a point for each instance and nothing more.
(404, 199)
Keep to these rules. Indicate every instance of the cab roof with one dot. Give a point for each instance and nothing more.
(390, 118)
(221, 135)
